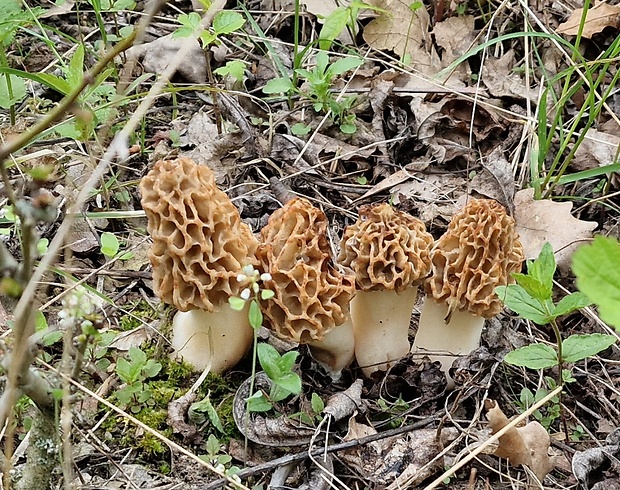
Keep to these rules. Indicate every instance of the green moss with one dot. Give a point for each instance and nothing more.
(179, 373)
(154, 418)
(150, 446)
(141, 312)
(225, 412)
(163, 392)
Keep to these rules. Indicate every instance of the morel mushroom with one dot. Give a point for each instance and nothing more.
(477, 253)
(311, 301)
(200, 245)
(388, 251)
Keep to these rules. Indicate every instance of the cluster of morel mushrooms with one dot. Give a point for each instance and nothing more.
(357, 306)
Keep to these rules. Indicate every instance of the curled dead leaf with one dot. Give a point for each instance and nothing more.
(527, 445)
(597, 18)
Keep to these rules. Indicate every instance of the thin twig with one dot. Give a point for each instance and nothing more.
(297, 457)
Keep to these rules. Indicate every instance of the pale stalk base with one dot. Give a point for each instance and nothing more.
(336, 351)
(442, 341)
(215, 340)
(381, 327)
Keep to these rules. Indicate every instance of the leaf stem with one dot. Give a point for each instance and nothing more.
(558, 339)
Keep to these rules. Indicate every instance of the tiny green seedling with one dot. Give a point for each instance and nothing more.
(317, 406)
(278, 368)
(300, 129)
(284, 381)
(319, 81)
(547, 415)
(225, 22)
(234, 68)
(134, 373)
(531, 298)
(339, 19)
(219, 459)
(110, 246)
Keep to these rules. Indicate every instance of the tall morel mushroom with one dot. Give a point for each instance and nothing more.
(311, 300)
(200, 246)
(388, 251)
(477, 253)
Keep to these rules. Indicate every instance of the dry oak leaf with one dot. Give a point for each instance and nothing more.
(544, 220)
(596, 150)
(598, 17)
(527, 445)
(403, 31)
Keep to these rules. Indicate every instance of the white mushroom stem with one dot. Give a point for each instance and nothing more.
(216, 340)
(381, 327)
(442, 341)
(337, 349)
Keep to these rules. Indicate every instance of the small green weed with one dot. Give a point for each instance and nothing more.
(341, 18)
(110, 246)
(551, 412)
(217, 457)
(203, 410)
(279, 368)
(134, 373)
(225, 22)
(315, 416)
(284, 381)
(12, 18)
(531, 298)
(578, 433)
(319, 82)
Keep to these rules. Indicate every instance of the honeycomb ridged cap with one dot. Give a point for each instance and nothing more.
(200, 243)
(311, 296)
(386, 249)
(477, 253)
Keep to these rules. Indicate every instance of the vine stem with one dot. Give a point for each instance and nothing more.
(560, 379)
(246, 422)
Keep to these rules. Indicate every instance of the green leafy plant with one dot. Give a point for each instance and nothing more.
(110, 246)
(597, 268)
(284, 381)
(234, 68)
(531, 298)
(115, 5)
(549, 413)
(279, 368)
(134, 373)
(314, 415)
(225, 22)
(339, 19)
(218, 458)
(578, 433)
(319, 82)
(96, 102)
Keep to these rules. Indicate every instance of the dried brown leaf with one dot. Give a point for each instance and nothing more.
(403, 31)
(495, 180)
(456, 35)
(597, 18)
(596, 150)
(543, 220)
(527, 445)
(397, 461)
(501, 80)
